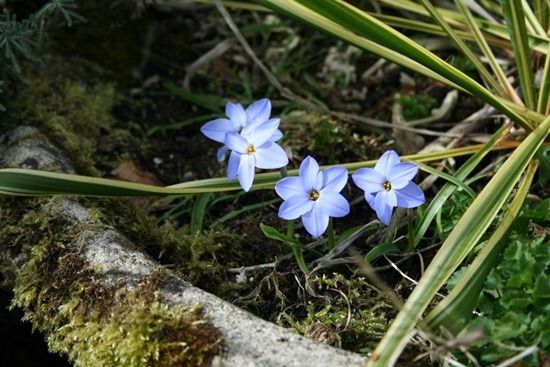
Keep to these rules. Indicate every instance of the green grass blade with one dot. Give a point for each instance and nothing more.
(532, 20)
(434, 29)
(455, 310)
(17, 181)
(469, 229)
(447, 190)
(474, 59)
(452, 179)
(210, 102)
(515, 20)
(368, 27)
(543, 104)
(542, 11)
(536, 42)
(199, 211)
(486, 49)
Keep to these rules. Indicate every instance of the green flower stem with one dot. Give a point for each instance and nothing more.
(330, 233)
(290, 229)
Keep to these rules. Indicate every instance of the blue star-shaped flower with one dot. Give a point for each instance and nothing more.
(253, 148)
(239, 118)
(314, 195)
(389, 185)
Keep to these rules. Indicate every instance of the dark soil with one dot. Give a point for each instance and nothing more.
(20, 345)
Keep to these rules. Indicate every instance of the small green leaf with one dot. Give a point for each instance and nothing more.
(295, 246)
(380, 250)
(199, 210)
(210, 102)
(274, 234)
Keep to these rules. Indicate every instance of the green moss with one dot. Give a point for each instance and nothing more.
(347, 313)
(73, 114)
(328, 139)
(417, 106)
(93, 324)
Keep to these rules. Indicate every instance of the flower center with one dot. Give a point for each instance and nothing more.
(314, 195)
(250, 150)
(387, 185)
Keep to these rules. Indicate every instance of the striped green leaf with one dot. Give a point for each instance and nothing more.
(515, 20)
(447, 190)
(482, 70)
(17, 181)
(456, 309)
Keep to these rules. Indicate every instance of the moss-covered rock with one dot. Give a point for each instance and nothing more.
(89, 321)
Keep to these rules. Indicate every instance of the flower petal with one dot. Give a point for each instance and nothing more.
(258, 111)
(387, 160)
(335, 178)
(236, 142)
(216, 129)
(370, 199)
(308, 173)
(332, 203)
(290, 186)
(369, 180)
(270, 156)
(246, 171)
(236, 113)
(410, 196)
(315, 221)
(258, 134)
(383, 210)
(220, 154)
(233, 165)
(295, 206)
(277, 135)
(388, 197)
(401, 174)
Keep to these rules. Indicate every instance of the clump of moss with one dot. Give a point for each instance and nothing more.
(417, 106)
(327, 138)
(94, 324)
(73, 114)
(347, 313)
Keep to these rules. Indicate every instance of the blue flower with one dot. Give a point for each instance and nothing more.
(253, 148)
(314, 195)
(389, 185)
(238, 118)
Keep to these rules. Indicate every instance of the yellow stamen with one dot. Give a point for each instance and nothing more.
(250, 150)
(387, 185)
(314, 195)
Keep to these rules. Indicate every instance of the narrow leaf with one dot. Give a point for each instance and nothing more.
(199, 210)
(543, 105)
(515, 20)
(456, 309)
(487, 51)
(446, 191)
(485, 74)
(452, 179)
